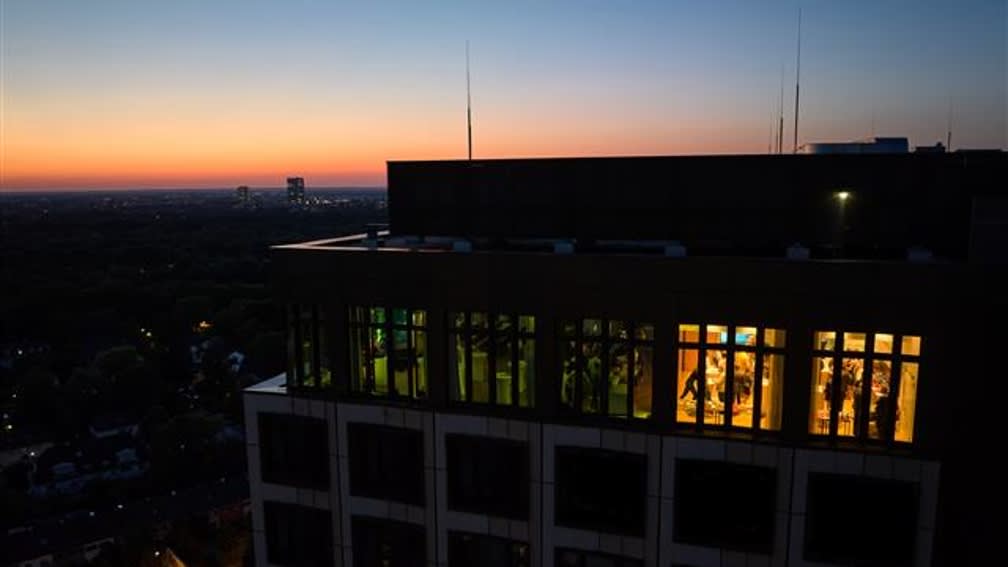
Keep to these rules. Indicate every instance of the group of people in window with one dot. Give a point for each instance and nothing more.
(726, 371)
(607, 367)
(861, 403)
(726, 375)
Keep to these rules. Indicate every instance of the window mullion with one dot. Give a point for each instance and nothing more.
(316, 355)
(836, 386)
(729, 401)
(757, 381)
(701, 411)
(467, 334)
(867, 374)
(491, 329)
(389, 354)
(578, 364)
(892, 403)
(410, 380)
(516, 340)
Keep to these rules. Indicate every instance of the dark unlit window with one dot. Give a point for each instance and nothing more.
(294, 450)
(388, 543)
(386, 462)
(726, 505)
(601, 490)
(488, 476)
(860, 521)
(297, 535)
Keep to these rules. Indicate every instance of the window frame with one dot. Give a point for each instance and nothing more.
(605, 342)
(896, 358)
(360, 327)
(303, 319)
(464, 334)
(759, 351)
(482, 451)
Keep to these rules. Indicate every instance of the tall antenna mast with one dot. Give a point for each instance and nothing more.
(948, 131)
(468, 105)
(797, 91)
(773, 134)
(780, 115)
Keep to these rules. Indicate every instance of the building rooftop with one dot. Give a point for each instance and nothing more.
(824, 206)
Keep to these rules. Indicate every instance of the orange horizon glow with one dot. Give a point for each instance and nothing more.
(116, 95)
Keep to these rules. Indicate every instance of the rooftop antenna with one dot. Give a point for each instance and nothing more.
(468, 105)
(948, 129)
(773, 135)
(780, 115)
(797, 90)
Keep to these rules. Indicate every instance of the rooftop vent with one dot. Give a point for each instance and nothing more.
(675, 249)
(563, 247)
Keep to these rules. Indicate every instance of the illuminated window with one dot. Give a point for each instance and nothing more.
(308, 361)
(388, 350)
(491, 358)
(606, 367)
(725, 367)
(906, 401)
(862, 402)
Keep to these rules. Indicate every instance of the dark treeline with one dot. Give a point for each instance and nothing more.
(105, 299)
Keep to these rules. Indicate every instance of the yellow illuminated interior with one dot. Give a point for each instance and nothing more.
(856, 415)
(737, 359)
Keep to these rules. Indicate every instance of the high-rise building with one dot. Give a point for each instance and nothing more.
(295, 190)
(242, 195)
(705, 361)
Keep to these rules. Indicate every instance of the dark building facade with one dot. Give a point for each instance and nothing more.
(734, 360)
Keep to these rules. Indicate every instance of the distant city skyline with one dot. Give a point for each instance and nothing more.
(115, 94)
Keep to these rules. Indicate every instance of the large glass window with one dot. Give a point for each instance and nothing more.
(856, 520)
(294, 450)
(297, 535)
(308, 362)
(601, 490)
(607, 367)
(386, 462)
(725, 505)
(876, 381)
(488, 476)
(388, 351)
(716, 376)
(491, 358)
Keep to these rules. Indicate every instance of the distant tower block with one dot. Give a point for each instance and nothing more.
(295, 190)
(242, 194)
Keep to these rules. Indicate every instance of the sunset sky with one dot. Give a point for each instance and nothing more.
(106, 94)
